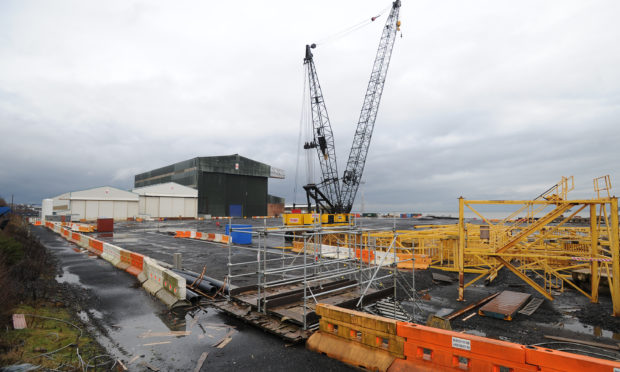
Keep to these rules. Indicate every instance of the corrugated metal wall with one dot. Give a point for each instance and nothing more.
(217, 191)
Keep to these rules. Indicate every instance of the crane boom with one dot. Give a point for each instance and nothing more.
(327, 193)
(361, 141)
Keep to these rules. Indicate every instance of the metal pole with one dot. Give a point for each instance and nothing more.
(460, 250)
(594, 268)
(615, 246)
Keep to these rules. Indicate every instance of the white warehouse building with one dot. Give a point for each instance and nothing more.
(99, 202)
(168, 200)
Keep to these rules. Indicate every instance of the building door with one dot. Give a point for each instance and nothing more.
(235, 210)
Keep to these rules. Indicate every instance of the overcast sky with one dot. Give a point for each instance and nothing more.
(484, 99)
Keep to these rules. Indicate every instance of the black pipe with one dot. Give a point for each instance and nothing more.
(218, 284)
(204, 285)
(192, 296)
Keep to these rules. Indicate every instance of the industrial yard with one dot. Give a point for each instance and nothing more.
(176, 210)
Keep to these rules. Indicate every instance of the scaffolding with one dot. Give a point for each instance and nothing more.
(353, 271)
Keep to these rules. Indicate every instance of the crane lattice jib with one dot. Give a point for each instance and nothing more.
(361, 140)
(323, 139)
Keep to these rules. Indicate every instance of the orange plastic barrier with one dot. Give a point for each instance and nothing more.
(211, 236)
(198, 235)
(96, 245)
(440, 349)
(137, 263)
(556, 361)
(65, 232)
(366, 255)
(75, 236)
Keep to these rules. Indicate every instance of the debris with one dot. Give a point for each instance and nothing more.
(505, 306)
(469, 316)
(582, 342)
(201, 361)
(165, 334)
(531, 306)
(224, 342)
(472, 306)
(19, 321)
(438, 322)
(134, 359)
(157, 343)
(152, 368)
(443, 278)
(121, 364)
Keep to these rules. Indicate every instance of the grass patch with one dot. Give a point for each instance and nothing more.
(38, 343)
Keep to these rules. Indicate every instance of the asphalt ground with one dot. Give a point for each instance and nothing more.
(135, 327)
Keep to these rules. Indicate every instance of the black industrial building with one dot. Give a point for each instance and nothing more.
(227, 185)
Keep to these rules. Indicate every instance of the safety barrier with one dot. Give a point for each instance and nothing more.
(433, 348)
(376, 343)
(125, 260)
(95, 246)
(111, 253)
(164, 284)
(357, 338)
(218, 238)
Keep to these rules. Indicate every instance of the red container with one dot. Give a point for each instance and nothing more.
(105, 225)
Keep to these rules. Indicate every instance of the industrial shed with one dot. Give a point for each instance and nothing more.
(168, 200)
(230, 185)
(100, 202)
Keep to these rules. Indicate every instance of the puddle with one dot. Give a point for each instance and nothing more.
(572, 324)
(67, 277)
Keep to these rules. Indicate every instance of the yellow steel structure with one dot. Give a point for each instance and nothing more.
(534, 241)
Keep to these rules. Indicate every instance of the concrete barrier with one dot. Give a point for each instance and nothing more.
(164, 284)
(111, 253)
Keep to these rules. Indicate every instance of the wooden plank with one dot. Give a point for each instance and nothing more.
(201, 361)
(472, 306)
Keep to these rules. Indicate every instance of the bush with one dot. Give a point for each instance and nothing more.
(23, 261)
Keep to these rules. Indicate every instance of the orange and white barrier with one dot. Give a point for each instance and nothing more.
(218, 238)
(164, 284)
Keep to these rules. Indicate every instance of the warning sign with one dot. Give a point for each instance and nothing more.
(461, 343)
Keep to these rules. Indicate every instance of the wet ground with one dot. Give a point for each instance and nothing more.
(144, 335)
(127, 314)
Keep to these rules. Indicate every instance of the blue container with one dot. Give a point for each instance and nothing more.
(241, 234)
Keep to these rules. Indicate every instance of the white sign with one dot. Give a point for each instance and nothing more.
(461, 343)
(276, 173)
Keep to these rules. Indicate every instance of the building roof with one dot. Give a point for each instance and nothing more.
(229, 164)
(168, 189)
(100, 193)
